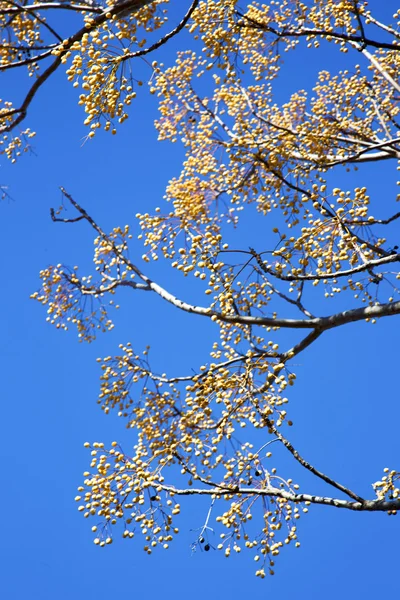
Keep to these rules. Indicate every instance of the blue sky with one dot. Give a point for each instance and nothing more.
(344, 404)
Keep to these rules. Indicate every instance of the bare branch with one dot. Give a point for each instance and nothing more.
(307, 465)
(28, 61)
(51, 6)
(166, 37)
(364, 506)
(307, 32)
(391, 258)
(374, 61)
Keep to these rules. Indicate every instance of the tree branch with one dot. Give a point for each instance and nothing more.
(166, 37)
(391, 258)
(319, 324)
(305, 32)
(306, 464)
(364, 506)
(12, 10)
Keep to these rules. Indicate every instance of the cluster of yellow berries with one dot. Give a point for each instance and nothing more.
(122, 488)
(388, 488)
(23, 27)
(63, 294)
(131, 490)
(12, 146)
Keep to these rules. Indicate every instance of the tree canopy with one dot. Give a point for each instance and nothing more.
(329, 257)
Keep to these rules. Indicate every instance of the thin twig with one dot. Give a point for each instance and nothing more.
(307, 465)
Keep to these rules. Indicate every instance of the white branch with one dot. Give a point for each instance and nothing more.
(319, 324)
(52, 5)
(226, 490)
(379, 68)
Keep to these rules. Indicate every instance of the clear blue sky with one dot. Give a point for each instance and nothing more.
(345, 404)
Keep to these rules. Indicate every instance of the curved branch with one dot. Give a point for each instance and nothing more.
(331, 160)
(306, 32)
(166, 37)
(318, 324)
(52, 5)
(391, 258)
(28, 61)
(364, 506)
(212, 369)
